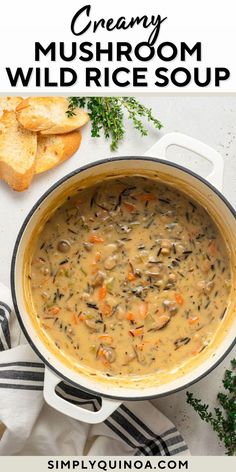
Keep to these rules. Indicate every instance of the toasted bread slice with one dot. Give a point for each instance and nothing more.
(47, 115)
(9, 104)
(2, 429)
(17, 152)
(54, 149)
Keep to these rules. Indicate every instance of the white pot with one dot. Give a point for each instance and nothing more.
(112, 394)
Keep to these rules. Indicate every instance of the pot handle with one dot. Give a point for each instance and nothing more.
(191, 144)
(51, 380)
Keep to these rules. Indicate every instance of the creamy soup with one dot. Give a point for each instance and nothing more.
(130, 277)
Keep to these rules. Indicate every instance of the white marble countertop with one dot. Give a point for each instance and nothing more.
(213, 121)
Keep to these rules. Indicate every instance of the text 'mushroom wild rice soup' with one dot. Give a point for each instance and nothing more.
(130, 277)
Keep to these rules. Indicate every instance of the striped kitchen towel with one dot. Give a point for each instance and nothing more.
(30, 427)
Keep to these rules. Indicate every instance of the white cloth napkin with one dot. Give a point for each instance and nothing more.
(31, 427)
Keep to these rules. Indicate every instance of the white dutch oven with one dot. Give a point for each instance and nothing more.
(206, 192)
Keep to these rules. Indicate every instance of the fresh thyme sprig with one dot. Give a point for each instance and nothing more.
(107, 113)
(223, 420)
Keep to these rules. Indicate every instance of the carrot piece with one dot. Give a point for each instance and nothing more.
(39, 261)
(193, 320)
(136, 331)
(197, 345)
(212, 249)
(144, 283)
(147, 197)
(179, 299)
(106, 309)
(82, 317)
(192, 234)
(130, 316)
(106, 339)
(101, 353)
(205, 266)
(45, 281)
(196, 351)
(140, 346)
(54, 310)
(160, 311)
(95, 239)
(74, 318)
(143, 309)
(130, 277)
(46, 326)
(94, 269)
(98, 256)
(129, 207)
(102, 293)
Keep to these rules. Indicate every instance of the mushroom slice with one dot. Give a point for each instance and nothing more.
(156, 275)
(171, 306)
(160, 323)
(91, 325)
(63, 246)
(181, 342)
(108, 353)
(110, 262)
(129, 357)
(98, 279)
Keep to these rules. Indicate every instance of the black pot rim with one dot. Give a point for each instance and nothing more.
(14, 257)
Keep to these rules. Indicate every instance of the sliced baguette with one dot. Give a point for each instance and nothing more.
(47, 115)
(9, 104)
(53, 150)
(17, 152)
(2, 429)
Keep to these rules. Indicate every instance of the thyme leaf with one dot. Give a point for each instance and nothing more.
(223, 419)
(107, 114)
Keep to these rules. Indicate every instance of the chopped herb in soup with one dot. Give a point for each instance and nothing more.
(130, 277)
